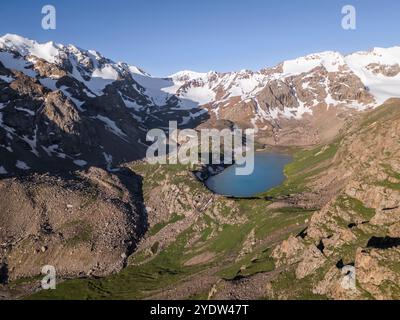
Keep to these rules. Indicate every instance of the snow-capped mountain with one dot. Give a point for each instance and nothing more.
(290, 90)
(378, 70)
(76, 108)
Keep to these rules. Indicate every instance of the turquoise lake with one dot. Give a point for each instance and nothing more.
(268, 173)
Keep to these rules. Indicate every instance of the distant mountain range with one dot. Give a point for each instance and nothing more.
(72, 107)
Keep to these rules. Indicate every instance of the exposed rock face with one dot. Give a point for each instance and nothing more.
(289, 251)
(311, 261)
(48, 70)
(376, 274)
(62, 113)
(37, 123)
(278, 95)
(386, 70)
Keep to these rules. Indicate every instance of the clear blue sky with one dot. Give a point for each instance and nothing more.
(165, 36)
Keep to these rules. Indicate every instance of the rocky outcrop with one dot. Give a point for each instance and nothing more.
(50, 131)
(386, 70)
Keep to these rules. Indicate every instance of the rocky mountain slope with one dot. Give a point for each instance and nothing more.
(289, 103)
(86, 224)
(359, 226)
(336, 216)
(72, 107)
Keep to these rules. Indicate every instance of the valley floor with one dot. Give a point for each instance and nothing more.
(338, 207)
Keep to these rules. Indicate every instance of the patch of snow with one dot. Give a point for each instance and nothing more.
(3, 170)
(106, 73)
(30, 112)
(80, 163)
(191, 116)
(301, 110)
(50, 149)
(305, 85)
(32, 142)
(330, 60)
(99, 78)
(111, 126)
(89, 94)
(136, 70)
(75, 101)
(199, 95)
(7, 79)
(17, 63)
(22, 165)
(109, 159)
(380, 86)
(136, 117)
(188, 75)
(156, 88)
(245, 87)
(49, 83)
(10, 131)
(130, 104)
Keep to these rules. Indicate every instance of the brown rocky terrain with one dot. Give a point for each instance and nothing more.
(359, 225)
(83, 225)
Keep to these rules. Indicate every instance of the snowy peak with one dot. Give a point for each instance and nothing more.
(379, 70)
(86, 66)
(137, 70)
(47, 51)
(370, 77)
(384, 56)
(187, 75)
(331, 61)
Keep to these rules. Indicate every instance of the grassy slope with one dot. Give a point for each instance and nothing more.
(225, 240)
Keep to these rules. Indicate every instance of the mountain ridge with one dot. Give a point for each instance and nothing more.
(303, 101)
